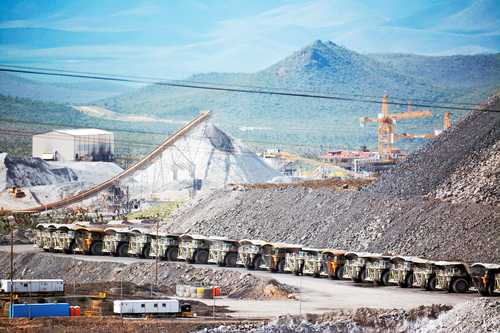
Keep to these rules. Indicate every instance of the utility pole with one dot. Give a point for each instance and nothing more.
(11, 226)
(157, 249)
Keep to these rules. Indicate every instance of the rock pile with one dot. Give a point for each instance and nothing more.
(478, 315)
(351, 220)
(461, 164)
(401, 213)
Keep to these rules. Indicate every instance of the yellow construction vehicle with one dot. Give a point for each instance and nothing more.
(16, 192)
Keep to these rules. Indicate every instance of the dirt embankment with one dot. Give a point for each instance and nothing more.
(233, 284)
(356, 221)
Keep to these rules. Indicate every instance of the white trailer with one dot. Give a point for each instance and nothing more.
(49, 286)
(147, 306)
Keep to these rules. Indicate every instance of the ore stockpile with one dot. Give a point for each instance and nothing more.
(442, 203)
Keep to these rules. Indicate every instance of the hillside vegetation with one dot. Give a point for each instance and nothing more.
(322, 67)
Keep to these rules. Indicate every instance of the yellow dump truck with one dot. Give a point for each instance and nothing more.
(486, 278)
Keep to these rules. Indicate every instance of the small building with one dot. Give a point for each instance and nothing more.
(84, 144)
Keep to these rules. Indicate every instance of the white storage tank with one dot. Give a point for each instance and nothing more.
(145, 306)
(49, 286)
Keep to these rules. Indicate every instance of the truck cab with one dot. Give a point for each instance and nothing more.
(165, 246)
(486, 278)
(194, 248)
(223, 251)
(254, 254)
(402, 269)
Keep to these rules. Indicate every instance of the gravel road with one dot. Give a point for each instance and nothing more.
(315, 296)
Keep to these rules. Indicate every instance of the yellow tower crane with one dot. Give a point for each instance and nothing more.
(387, 125)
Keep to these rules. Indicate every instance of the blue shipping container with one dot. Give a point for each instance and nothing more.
(38, 310)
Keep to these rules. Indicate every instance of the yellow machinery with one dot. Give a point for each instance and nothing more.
(321, 169)
(16, 192)
(387, 125)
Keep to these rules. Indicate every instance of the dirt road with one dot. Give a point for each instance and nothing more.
(315, 296)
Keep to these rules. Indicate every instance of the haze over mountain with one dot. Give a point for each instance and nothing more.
(302, 123)
(322, 67)
(66, 92)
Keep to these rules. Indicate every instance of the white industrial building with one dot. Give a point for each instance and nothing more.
(84, 144)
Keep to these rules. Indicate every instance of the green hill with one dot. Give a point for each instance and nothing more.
(322, 67)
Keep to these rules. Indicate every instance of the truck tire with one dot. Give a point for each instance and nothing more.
(339, 273)
(384, 279)
(172, 253)
(122, 250)
(96, 248)
(230, 260)
(361, 276)
(145, 251)
(460, 285)
(408, 283)
(431, 284)
(70, 249)
(257, 262)
(201, 257)
(281, 266)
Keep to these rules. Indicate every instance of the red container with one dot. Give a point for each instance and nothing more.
(74, 311)
(216, 291)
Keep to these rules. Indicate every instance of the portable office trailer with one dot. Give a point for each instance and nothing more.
(146, 306)
(48, 286)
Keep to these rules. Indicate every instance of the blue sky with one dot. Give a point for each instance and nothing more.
(174, 39)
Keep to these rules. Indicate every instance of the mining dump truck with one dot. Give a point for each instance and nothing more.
(305, 261)
(45, 236)
(16, 192)
(194, 249)
(402, 268)
(424, 275)
(452, 276)
(254, 254)
(334, 261)
(486, 278)
(64, 238)
(139, 244)
(223, 251)
(116, 240)
(165, 246)
(377, 269)
(88, 239)
(355, 265)
(277, 260)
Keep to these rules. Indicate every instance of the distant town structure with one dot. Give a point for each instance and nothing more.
(84, 144)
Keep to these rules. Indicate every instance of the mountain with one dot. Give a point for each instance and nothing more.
(62, 92)
(457, 71)
(322, 67)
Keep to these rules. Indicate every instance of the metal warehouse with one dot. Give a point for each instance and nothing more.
(84, 144)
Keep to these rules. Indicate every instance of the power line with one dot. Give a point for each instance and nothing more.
(238, 90)
(153, 79)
